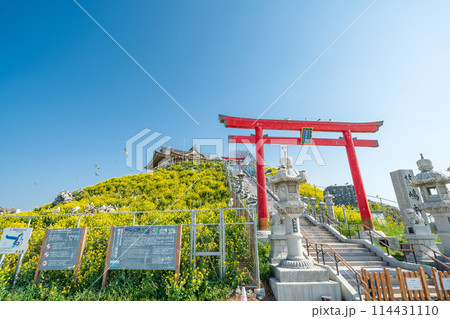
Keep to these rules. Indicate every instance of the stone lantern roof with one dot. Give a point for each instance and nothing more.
(427, 176)
(288, 174)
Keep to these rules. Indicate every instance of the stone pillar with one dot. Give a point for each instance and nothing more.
(278, 245)
(329, 201)
(322, 212)
(312, 202)
(414, 218)
(306, 200)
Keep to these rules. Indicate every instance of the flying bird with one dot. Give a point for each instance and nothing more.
(96, 174)
(125, 151)
(319, 120)
(35, 183)
(97, 167)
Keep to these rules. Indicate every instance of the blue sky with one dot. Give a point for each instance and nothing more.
(70, 97)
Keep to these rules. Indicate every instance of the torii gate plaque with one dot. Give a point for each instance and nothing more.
(288, 125)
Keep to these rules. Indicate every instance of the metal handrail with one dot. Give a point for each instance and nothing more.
(337, 258)
(387, 240)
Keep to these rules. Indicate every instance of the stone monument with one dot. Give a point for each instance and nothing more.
(296, 277)
(436, 199)
(414, 218)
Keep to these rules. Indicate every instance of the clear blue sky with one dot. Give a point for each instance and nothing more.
(70, 97)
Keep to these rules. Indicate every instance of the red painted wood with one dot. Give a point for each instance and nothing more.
(296, 141)
(261, 180)
(363, 204)
(240, 122)
(348, 142)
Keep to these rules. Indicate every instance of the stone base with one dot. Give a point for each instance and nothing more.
(278, 249)
(263, 235)
(296, 264)
(422, 239)
(303, 285)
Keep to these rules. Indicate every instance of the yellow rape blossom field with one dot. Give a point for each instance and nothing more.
(180, 187)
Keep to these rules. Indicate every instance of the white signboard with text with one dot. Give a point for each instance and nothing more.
(413, 283)
(446, 283)
(15, 240)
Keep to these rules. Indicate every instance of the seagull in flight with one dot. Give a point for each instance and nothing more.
(96, 174)
(125, 151)
(97, 167)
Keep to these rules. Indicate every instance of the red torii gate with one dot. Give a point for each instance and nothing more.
(288, 125)
(238, 160)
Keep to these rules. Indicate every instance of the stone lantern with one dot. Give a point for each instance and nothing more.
(312, 201)
(240, 175)
(290, 207)
(322, 210)
(436, 199)
(329, 202)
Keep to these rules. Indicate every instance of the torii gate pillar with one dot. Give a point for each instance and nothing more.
(364, 210)
(261, 180)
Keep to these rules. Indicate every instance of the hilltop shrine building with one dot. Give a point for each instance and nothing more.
(166, 156)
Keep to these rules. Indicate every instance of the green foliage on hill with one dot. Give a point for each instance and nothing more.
(181, 187)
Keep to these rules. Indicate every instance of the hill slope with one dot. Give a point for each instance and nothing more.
(177, 188)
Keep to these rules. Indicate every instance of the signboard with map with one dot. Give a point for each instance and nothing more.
(15, 240)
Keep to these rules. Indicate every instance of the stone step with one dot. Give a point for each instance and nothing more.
(339, 245)
(353, 263)
(346, 250)
(359, 254)
(316, 233)
(353, 258)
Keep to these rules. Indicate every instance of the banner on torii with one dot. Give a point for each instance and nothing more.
(304, 126)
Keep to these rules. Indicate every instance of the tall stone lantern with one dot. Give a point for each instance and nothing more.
(290, 207)
(240, 175)
(436, 199)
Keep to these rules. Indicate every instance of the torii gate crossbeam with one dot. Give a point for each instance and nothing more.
(344, 127)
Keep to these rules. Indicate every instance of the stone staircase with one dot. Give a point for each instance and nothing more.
(357, 255)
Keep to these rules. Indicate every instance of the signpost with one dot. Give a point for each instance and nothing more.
(15, 241)
(62, 249)
(143, 248)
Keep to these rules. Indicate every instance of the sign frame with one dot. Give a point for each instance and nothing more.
(110, 243)
(413, 283)
(306, 136)
(78, 259)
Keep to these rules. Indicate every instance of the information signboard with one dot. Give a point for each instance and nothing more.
(144, 248)
(413, 283)
(62, 249)
(15, 240)
(446, 283)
